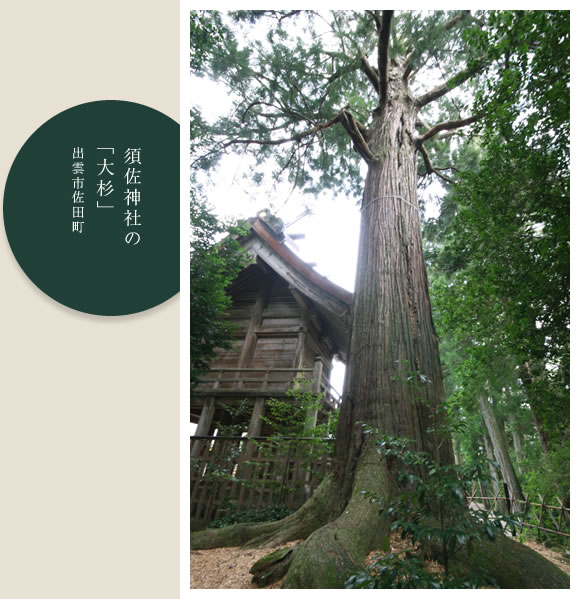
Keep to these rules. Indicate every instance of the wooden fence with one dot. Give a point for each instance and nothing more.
(232, 474)
(539, 516)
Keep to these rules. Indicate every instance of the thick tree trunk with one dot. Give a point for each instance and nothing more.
(500, 450)
(394, 378)
(394, 375)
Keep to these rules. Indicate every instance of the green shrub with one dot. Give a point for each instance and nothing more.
(404, 570)
(432, 507)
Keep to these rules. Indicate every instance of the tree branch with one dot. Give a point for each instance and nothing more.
(354, 129)
(447, 126)
(281, 111)
(459, 17)
(370, 72)
(407, 65)
(363, 131)
(383, 50)
(448, 134)
(338, 118)
(429, 165)
(277, 14)
(375, 18)
(357, 135)
(306, 104)
(291, 14)
(446, 87)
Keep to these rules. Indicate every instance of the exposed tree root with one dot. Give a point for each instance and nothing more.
(272, 567)
(511, 564)
(333, 552)
(338, 538)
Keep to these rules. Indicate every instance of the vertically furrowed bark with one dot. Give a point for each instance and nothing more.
(394, 377)
(394, 380)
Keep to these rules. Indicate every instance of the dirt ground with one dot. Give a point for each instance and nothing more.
(228, 567)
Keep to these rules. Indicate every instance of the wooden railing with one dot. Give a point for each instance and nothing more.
(262, 381)
(219, 379)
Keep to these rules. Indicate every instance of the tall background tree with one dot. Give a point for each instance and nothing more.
(321, 95)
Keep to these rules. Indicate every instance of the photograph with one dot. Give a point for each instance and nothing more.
(379, 299)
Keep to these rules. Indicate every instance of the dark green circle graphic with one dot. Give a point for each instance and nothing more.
(91, 208)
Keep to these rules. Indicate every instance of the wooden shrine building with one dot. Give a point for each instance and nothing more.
(292, 322)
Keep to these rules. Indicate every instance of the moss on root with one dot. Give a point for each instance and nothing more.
(334, 551)
(272, 567)
(512, 565)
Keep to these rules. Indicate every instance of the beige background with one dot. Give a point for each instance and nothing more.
(89, 420)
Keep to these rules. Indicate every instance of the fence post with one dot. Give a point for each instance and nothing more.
(541, 514)
(561, 514)
(254, 430)
(496, 503)
(507, 498)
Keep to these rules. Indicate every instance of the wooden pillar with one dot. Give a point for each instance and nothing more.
(245, 361)
(312, 413)
(306, 314)
(317, 371)
(256, 420)
(300, 343)
(204, 424)
(249, 346)
(254, 430)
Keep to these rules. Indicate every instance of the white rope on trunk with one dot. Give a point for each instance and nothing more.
(390, 196)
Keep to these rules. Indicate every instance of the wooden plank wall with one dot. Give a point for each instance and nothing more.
(277, 328)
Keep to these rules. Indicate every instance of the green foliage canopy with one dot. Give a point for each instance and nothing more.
(292, 74)
(500, 251)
